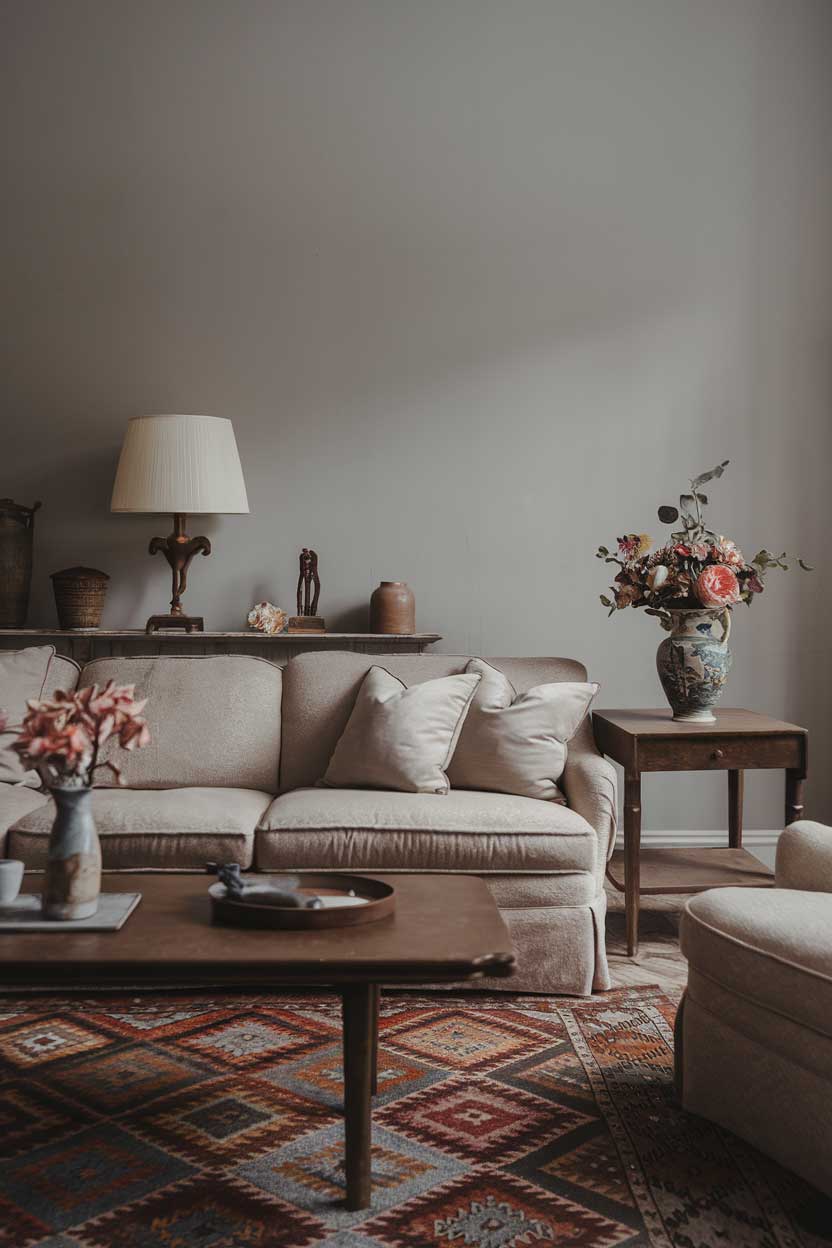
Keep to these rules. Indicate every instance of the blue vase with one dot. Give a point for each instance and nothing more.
(694, 661)
(72, 883)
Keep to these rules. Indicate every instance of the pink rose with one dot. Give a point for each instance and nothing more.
(717, 586)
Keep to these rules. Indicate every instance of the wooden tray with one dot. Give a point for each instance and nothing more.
(379, 899)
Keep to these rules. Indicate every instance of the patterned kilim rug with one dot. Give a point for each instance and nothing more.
(179, 1121)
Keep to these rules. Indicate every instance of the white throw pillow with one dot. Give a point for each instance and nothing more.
(517, 744)
(22, 676)
(401, 738)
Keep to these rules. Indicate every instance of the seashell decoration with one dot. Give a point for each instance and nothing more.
(265, 617)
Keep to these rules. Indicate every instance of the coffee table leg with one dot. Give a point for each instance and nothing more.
(358, 1007)
(376, 1005)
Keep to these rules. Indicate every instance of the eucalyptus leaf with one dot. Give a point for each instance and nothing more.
(709, 476)
(668, 515)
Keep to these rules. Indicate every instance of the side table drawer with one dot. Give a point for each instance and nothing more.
(720, 753)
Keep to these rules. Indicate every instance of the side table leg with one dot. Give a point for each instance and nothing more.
(736, 786)
(632, 859)
(795, 783)
(358, 1072)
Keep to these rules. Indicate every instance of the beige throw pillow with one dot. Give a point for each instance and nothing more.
(401, 738)
(22, 676)
(512, 744)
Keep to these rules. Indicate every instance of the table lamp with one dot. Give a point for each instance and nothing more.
(175, 465)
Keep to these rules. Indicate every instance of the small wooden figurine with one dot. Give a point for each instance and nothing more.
(309, 591)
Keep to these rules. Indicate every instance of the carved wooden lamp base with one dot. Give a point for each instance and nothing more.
(179, 550)
(190, 623)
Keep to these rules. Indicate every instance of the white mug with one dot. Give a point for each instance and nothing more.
(11, 877)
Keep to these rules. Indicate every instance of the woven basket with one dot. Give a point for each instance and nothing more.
(79, 596)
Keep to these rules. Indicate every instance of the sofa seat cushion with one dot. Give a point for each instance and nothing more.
(163, 828)
(771, 946)
(463, 830)
(16, 800)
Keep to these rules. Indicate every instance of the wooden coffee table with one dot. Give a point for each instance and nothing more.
(446, 928)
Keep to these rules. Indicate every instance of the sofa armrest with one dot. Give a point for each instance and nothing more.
(589, 783)
(804, 857)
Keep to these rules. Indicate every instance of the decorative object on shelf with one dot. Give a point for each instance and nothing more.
(308, 901)
(79, 596)
(393, 608)
(62, 738)
(309, 591)
(265, 617)
(11, 877)
(691, 584)
(17, 525)
(179, 465)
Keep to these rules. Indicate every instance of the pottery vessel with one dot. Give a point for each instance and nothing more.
(16, 531)
(694, 661)
(393, 608)
(72, 883)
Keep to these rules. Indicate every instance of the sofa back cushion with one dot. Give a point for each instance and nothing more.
(319, 692)
(23, 675)
(214, 720)
(63, 674)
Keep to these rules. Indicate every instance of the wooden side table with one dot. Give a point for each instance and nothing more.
(650, 740)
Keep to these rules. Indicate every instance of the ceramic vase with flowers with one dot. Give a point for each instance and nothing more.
(62, 738)
(691, 584)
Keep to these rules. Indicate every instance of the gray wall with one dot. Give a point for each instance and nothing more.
(479, 283)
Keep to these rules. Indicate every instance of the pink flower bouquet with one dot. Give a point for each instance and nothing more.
(696, 569)
(62, 737)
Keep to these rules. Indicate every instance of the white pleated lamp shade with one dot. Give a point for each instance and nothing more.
(184, 464)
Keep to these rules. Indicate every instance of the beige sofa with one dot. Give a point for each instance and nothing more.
(754, 1031)
(238, 746)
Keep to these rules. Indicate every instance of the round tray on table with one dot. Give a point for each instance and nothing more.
(364, 900)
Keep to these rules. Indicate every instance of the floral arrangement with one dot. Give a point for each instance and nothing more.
(62, 737)
(266, 618)
(695, 569)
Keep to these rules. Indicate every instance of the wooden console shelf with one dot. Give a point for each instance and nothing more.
(100, 643)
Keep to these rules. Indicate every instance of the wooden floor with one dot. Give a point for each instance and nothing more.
(659, 960)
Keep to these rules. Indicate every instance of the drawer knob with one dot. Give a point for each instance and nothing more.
(717, 754)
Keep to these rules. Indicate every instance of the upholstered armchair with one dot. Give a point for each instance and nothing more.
(754, 1029)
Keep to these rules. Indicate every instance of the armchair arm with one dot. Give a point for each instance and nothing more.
(589, 783)
(804, 857)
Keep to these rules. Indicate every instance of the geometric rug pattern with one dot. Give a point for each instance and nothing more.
(209, 1120)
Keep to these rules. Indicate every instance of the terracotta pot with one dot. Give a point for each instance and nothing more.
(693, 662)
(393, 608)
(72, 883)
